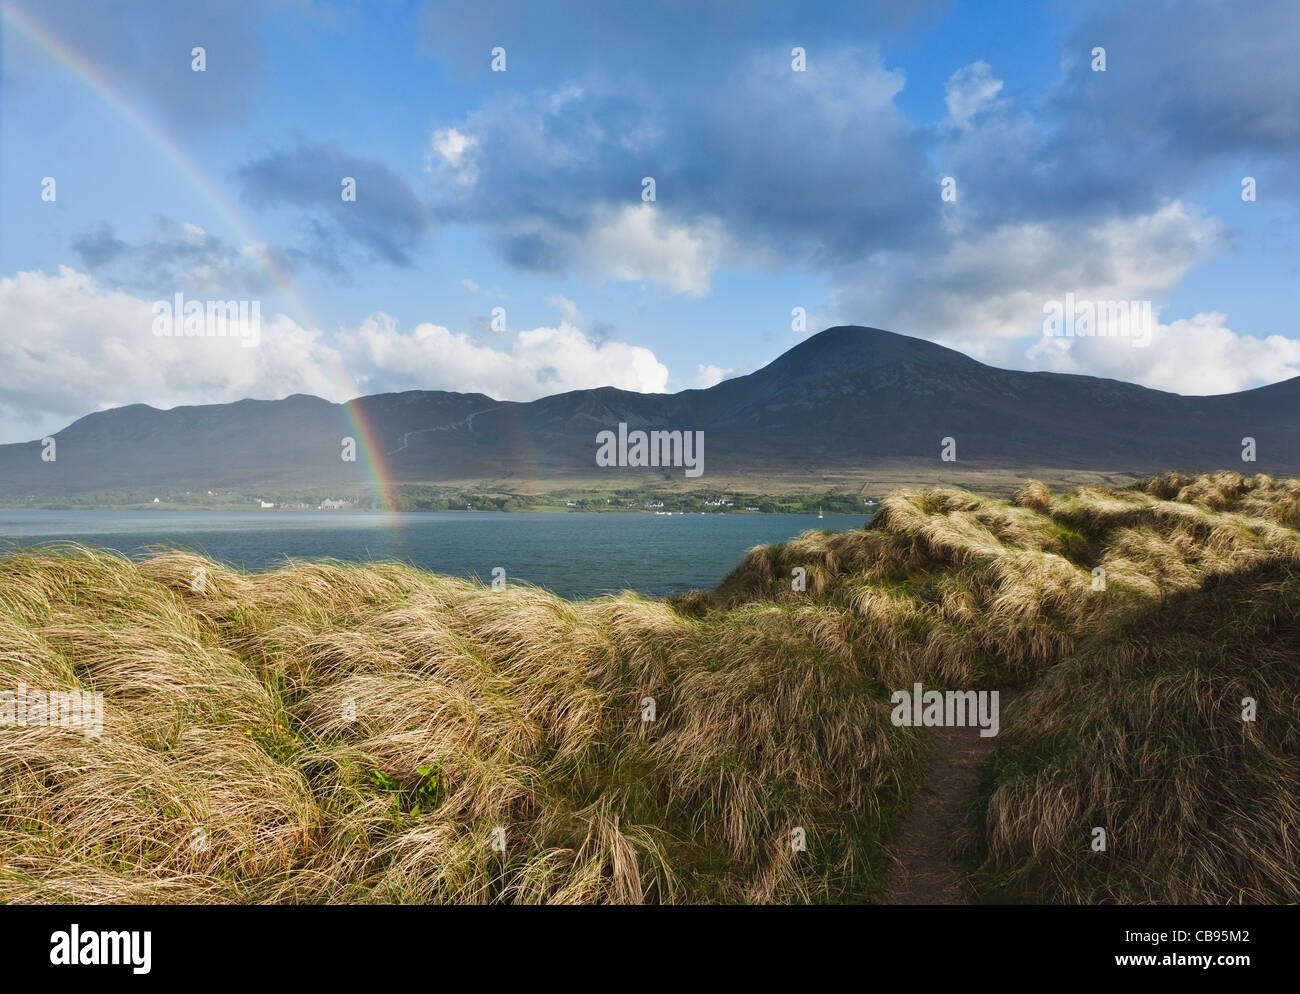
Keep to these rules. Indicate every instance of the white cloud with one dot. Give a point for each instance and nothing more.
(709, 375)
(77, 347)
(537, 363)
(985, 294)
(637, 242)
(566, 307)
(970, 90)
(470, 285)
(457, 152)
(1199, 355)
(70, 346)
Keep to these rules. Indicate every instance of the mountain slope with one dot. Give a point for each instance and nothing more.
(849, 398)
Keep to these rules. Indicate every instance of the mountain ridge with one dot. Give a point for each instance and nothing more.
(845, 400)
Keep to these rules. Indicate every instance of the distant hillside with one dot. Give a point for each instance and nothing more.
(848, 400)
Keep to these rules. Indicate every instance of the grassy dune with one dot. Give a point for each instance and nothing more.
(335, 733)
(1131, 713)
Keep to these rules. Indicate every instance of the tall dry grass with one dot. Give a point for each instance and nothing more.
(264, 737)
(1132, 719)
(1143, 735)
(329, 732)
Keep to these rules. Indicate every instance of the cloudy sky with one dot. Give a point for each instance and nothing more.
(775, 189)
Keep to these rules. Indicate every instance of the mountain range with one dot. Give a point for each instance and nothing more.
(844, 405)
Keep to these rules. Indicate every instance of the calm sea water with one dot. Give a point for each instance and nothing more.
(575, 555)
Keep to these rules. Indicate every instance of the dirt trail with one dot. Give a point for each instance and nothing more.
(925, 871)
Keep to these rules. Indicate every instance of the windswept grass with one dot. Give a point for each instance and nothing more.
(264, 737)
(1143, 736)
(329, 732)
(1133, 716)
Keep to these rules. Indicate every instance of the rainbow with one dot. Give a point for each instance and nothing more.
(371, 450)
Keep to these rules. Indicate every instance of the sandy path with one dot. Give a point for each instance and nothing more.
(925, 871)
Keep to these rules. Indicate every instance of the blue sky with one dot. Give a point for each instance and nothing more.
(522, 190)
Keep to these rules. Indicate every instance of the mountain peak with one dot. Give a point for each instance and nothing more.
(855, 347)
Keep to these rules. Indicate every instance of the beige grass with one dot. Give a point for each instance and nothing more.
(265, 734)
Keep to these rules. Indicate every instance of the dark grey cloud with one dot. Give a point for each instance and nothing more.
(821, 168)
(1190, 91)
(178, 257)
(797, 164)
(678, 37)
(532, 252)
(702, 97)
(97, 247)
(386, 221)
(144, 51)
(1186, 80)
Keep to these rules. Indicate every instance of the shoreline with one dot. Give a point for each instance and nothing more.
(355, 510)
